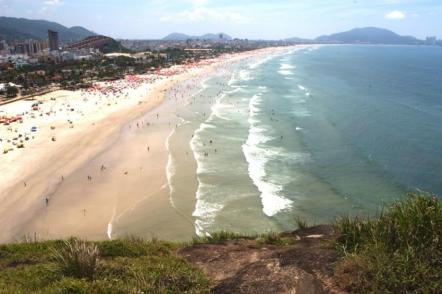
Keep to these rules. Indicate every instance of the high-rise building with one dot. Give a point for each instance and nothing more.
(53, 40)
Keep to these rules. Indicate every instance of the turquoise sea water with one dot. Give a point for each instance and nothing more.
(315, 134)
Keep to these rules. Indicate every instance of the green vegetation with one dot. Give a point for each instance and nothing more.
(115, 46)
(123, 266)
(77, 258)
(302, 224)
(400, 251)
(81, 73)
(11, 92)
(12, 29)
(219, 237)
(270, 238)
(118, 266)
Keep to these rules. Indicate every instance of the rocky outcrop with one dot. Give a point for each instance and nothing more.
(247, 266)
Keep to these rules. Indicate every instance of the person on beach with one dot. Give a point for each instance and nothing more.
(46, 201)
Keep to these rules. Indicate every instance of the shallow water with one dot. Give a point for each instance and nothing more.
(312, 134)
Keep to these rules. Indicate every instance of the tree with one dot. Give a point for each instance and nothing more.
(11, 92)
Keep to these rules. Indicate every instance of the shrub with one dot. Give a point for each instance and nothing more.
(11, 92)
(77, 258)
(302, 224)
(400, 251)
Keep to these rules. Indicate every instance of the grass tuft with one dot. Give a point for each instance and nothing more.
(219, 237)
(302, 224)
(400, 251)
(276, 239)
(77, 258)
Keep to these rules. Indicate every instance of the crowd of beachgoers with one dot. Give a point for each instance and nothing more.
(22, 121)
(55, 143)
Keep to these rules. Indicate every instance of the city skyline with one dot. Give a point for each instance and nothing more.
(153, 19)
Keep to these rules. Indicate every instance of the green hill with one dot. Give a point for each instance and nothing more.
(370, 35)
(12, 28)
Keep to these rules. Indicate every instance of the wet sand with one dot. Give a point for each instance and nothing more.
(108, 180)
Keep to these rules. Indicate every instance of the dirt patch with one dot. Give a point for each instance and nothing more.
(246, 266)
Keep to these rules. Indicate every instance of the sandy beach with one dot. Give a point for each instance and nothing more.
(92, 158)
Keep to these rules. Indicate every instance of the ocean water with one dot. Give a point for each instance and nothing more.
(314, 134)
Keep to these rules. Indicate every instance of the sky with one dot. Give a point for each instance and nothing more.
(253, 19)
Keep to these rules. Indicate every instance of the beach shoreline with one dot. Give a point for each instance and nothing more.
(59, 188)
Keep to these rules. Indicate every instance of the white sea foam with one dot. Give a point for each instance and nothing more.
(110, 225)
(235, 90)
(301, 112)
(244, 75)
(109, 231)
(261, 61)
(205, 211)
(285, 72)
(286, 66)
(257, 157)
(232, 80)
(171, 166)
(302, 88)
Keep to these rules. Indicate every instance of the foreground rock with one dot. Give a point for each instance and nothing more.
(247, 266)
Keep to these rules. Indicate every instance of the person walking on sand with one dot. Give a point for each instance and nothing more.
(46, 201)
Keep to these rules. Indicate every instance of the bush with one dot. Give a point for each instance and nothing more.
(301, 223)
(400, 251)
(11, 92)
(77, 258)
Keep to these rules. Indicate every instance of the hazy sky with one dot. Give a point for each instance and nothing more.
(253, 19)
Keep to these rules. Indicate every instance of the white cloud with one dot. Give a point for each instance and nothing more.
(52, 2)
(199, 2)
(201, 14)
(396, 15)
